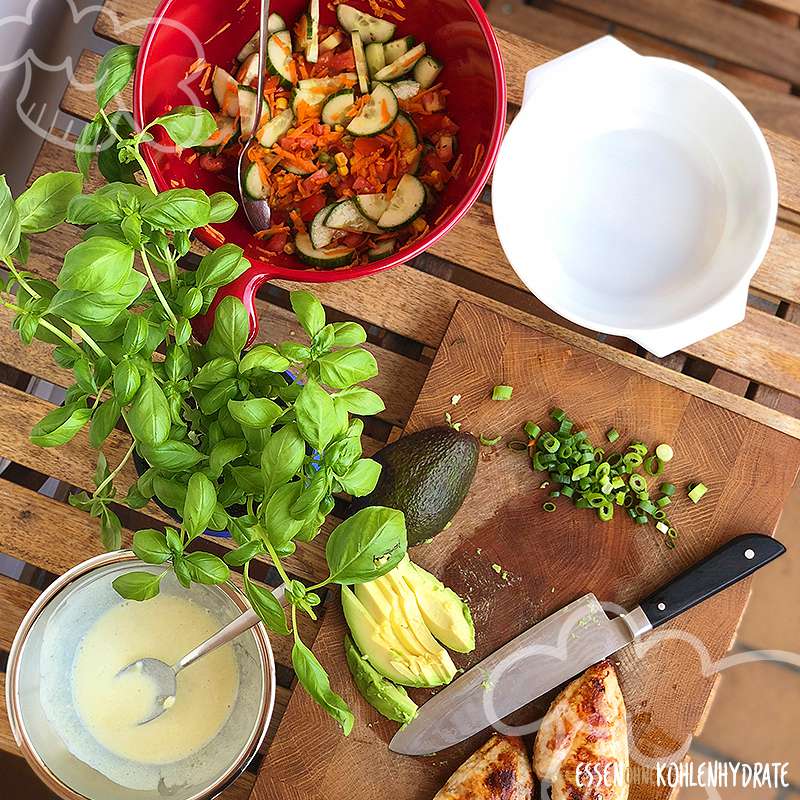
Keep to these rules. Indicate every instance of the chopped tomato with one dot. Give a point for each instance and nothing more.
(276, 242)
(432, 163)
(212, 163)
(383, 169)
(362, 186)
(366, 145)
(343, 62)
(352, 239)
(315, 180)
(309, 206)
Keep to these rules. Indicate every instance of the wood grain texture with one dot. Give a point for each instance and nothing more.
(15, 600)
(552, 559)
(7, 742)
(716, 28)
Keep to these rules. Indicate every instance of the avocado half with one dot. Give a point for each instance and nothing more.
(426, 475)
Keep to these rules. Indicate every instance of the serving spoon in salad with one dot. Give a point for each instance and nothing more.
(258, 212)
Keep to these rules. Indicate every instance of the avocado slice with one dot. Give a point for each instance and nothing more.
(445, 614)
(390, 700)
(426, 476)
(378, 638)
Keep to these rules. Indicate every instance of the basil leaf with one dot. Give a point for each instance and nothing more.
(343, 368)
(9, 222)
(241, 555)
(192, 302)
(23, 251)
(174, 541)
(171, 455)
(366, 545)
(137, 585)
(220, 266)
(94, 209)
(114, 71)
(126, 381)
(134, 338)
(308, 310)
(312, 495)
(218, 397)
(177, 363)
(223, 207)
(315, 680)
(264, 357)
(110, 529)
(151, 546)
(223, 452)
(44, 204)
(187, 125)
(148, 417)
(358, 400)
(86, 146)
(279, 523)
(258, 412)
(214, 371)
(294, 352)
(182, 571)
(347, 334)
(177, 210)
(170, 492)
(249, 479)
(231, 329)
(282, 457)
(60, 425)
(201, 499)
(207, 568)
(100, 264)
(134, 498)
(266, 605)
(316, 415)
(103, 421)
(108, 154)
(361, 478)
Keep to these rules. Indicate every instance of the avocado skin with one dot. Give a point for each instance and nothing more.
(390, 700)
(426, 475)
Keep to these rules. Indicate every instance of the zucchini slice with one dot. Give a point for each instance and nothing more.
(248, 48)
(382, 249)
(334, 112)
(406, 131)
(371, 205)
(375, 57)
(312, 32)
(275, 23)
(361, 63)
(405, 90)
(393, 50)
(407, 203)
(248, 72)
(278, 126)
(247, 110)
(327, 259)
(426, 71)
(226, 92)
(369, 28)
(346, 216)
(331, 42)
(253, 185)
(279, 55)
(324, 86)
(295, 170)
(378, 114)
(402, 65)
(226, 130)
(321, 235)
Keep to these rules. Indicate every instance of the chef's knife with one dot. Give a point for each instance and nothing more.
(566, 643)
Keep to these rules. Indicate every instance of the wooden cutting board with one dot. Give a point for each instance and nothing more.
(552, 559)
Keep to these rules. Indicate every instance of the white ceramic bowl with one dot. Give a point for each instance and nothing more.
(635, 196)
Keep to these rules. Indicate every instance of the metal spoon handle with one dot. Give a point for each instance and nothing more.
(235, 627)
(263, 35)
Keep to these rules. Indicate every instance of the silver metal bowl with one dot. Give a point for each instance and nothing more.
(53, 760)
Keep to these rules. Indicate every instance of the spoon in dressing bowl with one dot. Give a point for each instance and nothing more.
(256, 210)
(164, 677)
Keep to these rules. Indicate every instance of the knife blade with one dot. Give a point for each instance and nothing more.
(566, 643)
(544, 656)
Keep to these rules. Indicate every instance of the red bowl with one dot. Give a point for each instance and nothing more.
(457, 33)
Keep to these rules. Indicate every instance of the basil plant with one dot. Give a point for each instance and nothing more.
(256, 442)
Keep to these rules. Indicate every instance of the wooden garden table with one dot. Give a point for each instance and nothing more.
(753, 368)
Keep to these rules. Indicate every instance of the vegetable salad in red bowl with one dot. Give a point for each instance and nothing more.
(378, 130)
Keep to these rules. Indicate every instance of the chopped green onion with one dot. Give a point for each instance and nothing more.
(619, 498)
(665, 452)
(550, 443)
(612, 435)
(549, 507)
(632, 460)
(502, 392)
(668, 489)
(605, 512)
(567, 491)
(555, 493)
(489, 442)
(565, 426)
(580, 472)
(663, 501)
(647, 507)
(654, 466)
(696, 492)
(638, 447)
(582, 502)
(532, 429)
(617, 482)
(637, 483)
(641, 520)
(661, 527)
(558, 414)
(659, 514)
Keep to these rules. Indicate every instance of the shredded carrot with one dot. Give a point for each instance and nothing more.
(299, 225)
(218, 33)
(267, 232)
(191, 158)
(214, 234)
(455, 171)
(479, 149)
(242, 5)
(206, 76)
(442, 215)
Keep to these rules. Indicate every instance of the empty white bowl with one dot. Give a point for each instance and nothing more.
(635, 196)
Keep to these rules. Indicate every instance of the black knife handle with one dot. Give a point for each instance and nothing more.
(733, 561)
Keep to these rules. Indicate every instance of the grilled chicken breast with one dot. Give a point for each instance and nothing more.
(500, 770)
(584, 739)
